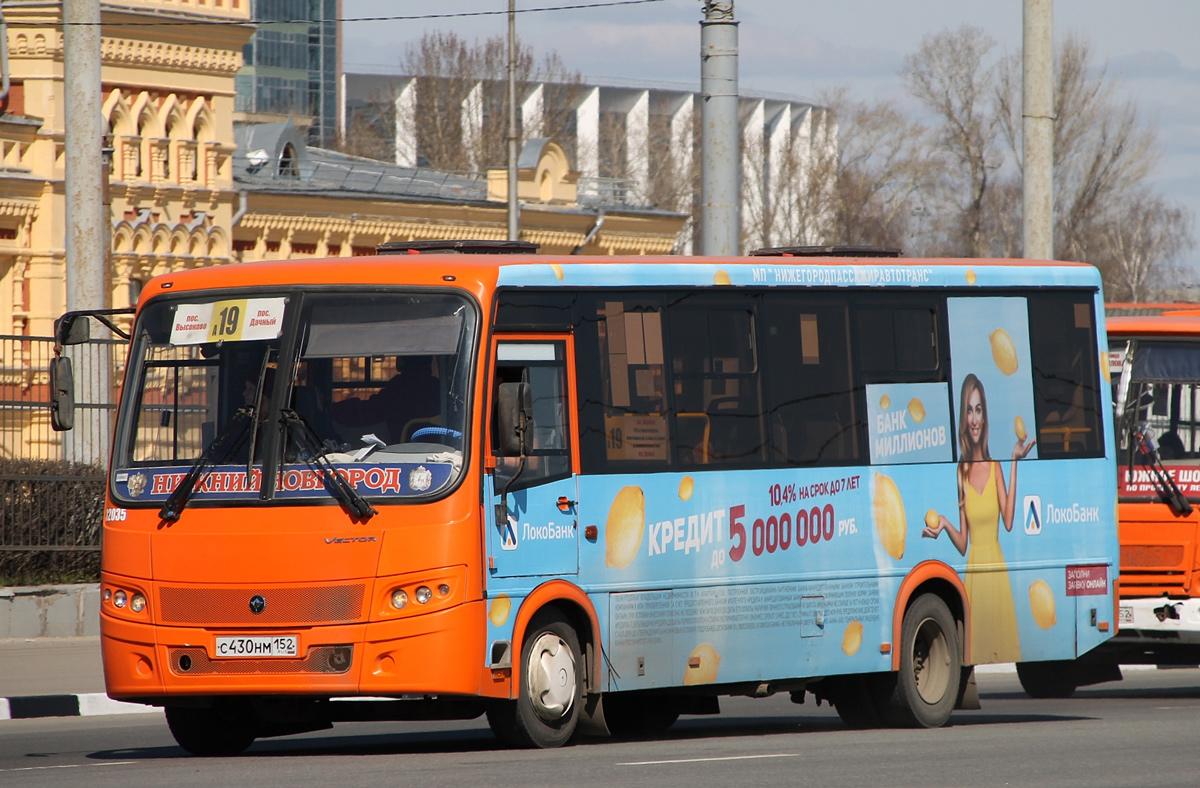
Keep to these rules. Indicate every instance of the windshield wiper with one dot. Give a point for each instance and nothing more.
(1168, 489)
(221, 447)
(307, 441)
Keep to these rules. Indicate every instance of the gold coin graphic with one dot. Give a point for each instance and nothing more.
(852, 640)
(1004, 352)
(499, 609)
(702, 665)
(890, 520)
(1041, 603)
(623, 531)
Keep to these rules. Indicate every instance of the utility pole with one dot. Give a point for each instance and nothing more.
(514, 208)
(1037, 130)
(719, 149)
(86, 232)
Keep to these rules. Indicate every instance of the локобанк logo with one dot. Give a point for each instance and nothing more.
(508, 539)
(1032, 511)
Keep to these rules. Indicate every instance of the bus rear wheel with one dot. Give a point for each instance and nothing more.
(550, 694)
(222, 729)
(926, 688)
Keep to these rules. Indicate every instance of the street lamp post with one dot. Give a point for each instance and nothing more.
(514, 216)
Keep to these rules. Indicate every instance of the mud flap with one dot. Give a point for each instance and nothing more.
(591, 717)
(968, 691)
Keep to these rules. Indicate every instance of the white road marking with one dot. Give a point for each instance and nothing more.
(705, 760)
(65, 766)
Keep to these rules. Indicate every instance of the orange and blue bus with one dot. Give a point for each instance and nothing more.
(581, 495)
(1154, 355)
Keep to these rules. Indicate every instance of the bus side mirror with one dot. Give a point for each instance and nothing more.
(72, 329)
(514, 419)
(62, 394)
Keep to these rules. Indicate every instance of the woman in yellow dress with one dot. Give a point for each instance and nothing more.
(983, 500)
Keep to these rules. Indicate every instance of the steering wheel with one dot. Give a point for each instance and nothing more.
(441, 432)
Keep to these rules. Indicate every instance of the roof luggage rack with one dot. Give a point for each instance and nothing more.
(457, 247)
(828, 251)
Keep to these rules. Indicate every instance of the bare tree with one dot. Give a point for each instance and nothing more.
(461, 121)
(1102, 149)
(874, 169)
(1144, 237)
(1003, 210)
(948, 76)
(369, 130)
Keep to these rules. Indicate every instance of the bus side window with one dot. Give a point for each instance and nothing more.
(808, 392)
(543, 366)
(627, 403)
(897, 343)
(715, 382)
(1066, 393)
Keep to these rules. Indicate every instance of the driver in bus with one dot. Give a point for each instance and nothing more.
(413, 394)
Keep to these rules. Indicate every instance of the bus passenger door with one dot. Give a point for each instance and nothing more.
(541, 535)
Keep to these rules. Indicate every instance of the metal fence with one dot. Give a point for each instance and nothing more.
(51, 483)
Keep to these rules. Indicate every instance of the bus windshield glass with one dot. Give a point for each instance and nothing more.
(1160, 381)
(371, 384)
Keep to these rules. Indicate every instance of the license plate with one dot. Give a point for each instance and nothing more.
(256, 646)
(1126, 614)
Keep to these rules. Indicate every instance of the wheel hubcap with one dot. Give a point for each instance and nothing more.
(931, 662)
(552, 684)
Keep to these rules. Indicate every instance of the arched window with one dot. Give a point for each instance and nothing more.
(135, 289)
(288, 166)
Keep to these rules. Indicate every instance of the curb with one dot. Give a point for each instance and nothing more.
(91, 704)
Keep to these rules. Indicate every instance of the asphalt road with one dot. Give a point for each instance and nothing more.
(1141, 732)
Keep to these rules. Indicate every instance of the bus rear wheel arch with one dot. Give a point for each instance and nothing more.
(550, 687)
(925, 689)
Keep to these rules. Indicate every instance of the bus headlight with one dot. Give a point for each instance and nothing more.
(424, 594)
(399, 598)
(119, 599)
(137, 603)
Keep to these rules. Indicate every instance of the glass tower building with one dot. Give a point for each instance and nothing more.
(291, 64)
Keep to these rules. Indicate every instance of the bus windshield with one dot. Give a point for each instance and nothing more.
(370, 383)
(1157, 384)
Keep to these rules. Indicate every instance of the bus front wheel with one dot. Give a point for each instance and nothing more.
(926, 687)
(546, 709)
(222, 729)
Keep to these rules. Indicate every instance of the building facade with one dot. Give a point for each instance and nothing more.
(638, 142)
(183, 194)
(291, 65)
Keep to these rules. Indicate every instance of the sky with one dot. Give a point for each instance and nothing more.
(803, 49)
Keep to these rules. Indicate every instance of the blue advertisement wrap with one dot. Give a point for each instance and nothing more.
(909, 422)
(758, 574)
(754, 574)
(792, 274)
(989, 339)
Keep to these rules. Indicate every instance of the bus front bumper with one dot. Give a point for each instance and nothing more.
(1156, 618)
(439, 653)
